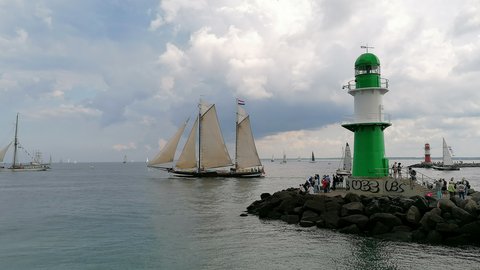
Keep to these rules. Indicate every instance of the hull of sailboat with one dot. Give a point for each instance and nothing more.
(446, 168)
(210, 174)
(29, 168)
(343, 172)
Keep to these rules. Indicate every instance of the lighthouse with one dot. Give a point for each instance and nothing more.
(428, 159)
(369, 121)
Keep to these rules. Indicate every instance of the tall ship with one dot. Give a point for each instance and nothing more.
(211, 158)
(35, 165)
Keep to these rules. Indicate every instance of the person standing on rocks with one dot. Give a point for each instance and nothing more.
(444, 187)
(461, 190)
(451, 188)
(438, 188)
(467, 185)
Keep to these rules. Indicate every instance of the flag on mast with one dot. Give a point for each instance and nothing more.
(240, 102)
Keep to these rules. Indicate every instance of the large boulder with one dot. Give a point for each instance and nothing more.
(351, 197)
(265, 196)
(401, 228)
(316, 205)
(387, 219)
(421, 203)
(403, 203)
(446, 205)
(352, 229)
(472, 207)
(330, 219)
(289, 204)
(333, 206)
(461, 214)
(360, 220)
(309, 215)
(475, 196)
(291, 219)
(472, 229)
(447, 228)
(458, 240)
(380, 228)
(306, 223)
(352, 209)
(413, 215)
(430, 219)
(373, 207)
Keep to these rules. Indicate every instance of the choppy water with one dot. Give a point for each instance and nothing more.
(124, 216)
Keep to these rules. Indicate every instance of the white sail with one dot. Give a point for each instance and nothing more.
(188, 157)
(4, 151)
(246, 151)
(213, 151)
(347, 159)
(168, 151)
(447, 158)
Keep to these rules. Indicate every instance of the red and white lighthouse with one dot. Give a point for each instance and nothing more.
(428, 160)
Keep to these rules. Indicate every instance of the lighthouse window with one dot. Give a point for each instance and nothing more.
(367, 70)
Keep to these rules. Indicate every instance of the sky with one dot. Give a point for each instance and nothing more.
(94, 80)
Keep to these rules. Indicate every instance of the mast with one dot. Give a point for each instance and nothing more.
(236, 135)
(15, 144)
(199, 135)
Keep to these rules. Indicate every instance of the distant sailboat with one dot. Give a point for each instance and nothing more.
(212, 151)
(273, 159)
(3, 152)
(125, 159)
(447, 164)
(284, 160)
(35, 165)
(345, 167)
(313, 158)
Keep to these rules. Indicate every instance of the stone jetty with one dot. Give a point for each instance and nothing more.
(410, 219)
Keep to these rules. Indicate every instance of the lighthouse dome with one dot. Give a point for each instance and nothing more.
(367, 59)
(367, 63)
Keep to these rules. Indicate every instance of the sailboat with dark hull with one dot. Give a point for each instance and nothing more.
(447, 164)
(213, 158)
(35, 165)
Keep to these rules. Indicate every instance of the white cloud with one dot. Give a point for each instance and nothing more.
(123, 147)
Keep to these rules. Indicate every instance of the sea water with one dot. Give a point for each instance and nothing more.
(125, 216)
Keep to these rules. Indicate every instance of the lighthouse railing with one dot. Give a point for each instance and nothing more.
(367, 118)
(351, 85)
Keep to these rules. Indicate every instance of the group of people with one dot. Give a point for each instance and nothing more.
(396, 170)
(316, 185)
(452, 188)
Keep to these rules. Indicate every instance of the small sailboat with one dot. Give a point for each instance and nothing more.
(213, 158)
(313, 158)
(3, 152)
(447, 164)
(124, 159)
(35, 165)
(273, 159)
(345, 167)
(284, 160)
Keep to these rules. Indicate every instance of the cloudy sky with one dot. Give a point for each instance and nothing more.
(96, 80)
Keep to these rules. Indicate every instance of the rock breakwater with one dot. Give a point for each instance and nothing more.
(415, 219)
